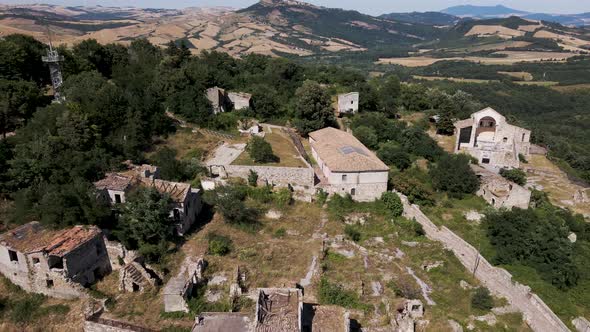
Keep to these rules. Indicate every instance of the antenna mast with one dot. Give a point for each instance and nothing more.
(53, 59)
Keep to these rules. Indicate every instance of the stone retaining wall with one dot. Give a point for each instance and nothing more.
(535, 312)
(294, 176)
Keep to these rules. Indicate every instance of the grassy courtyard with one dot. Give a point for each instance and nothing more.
(282, 147)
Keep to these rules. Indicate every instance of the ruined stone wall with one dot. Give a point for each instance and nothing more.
(119, 254)
(535, 312)
(367, 192)
(88, 261)
(294, 176)
(107, 325)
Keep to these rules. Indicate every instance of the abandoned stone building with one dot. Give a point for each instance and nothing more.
(491, 140)
(346, 166)
(499, 192)
(54, 263)
(279, 309)
(186, 201)
(348, 103)
(223, 101)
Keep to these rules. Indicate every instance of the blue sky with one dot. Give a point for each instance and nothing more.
(366, 6)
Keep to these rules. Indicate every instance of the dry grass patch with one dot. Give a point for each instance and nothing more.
(547, 176)
(519, 75)
(453, 79)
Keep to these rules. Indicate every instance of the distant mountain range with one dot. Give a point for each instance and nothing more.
(294, 28)
(454, 14)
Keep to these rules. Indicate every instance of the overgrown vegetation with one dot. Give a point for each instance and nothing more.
(330, 293)
(515, 175)
(260, 150)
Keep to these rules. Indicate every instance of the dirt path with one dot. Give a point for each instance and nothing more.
(535, 312)
(306, 281)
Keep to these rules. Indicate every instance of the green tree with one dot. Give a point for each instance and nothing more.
(367, 136)
(535, 238)
(453, 174)
(392, 154)
(145, 223)
(265, 102)
(260, 150)
(229, 201)
(313, 108)
(18, 101)
(390, 92)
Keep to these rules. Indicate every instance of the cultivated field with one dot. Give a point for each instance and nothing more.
(504, 58)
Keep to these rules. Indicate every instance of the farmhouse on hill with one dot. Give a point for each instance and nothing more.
(488, 137)
(348, 103)
(54, 263)
(186, 201)
(346, 166)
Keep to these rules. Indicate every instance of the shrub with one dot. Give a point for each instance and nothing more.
(283, 197)
(260, 150)
(417, 192)
(515, 175)
(281, 232)
(352, 233)
(393, 203)
(418, 229)
(26, 310)
(219, 245)
(481, 299)
(404, 286)
(522, 158)
(253, 178)
(335, 294)
(321, 197)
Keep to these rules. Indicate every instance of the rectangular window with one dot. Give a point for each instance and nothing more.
(485, 161)
(176, 214)
(523, 136)
(35, 260)
(344, 177)
(13, 255)
(117, 198)
(352, 191)
(49, 283)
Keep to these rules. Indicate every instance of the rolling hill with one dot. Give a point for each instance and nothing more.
(290, 28)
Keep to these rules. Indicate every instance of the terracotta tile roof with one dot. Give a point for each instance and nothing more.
(177, 190)
(71, 239)
(33, 237)
(115, 181)
(342, 152)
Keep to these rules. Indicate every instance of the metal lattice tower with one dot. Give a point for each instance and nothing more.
(53, 59)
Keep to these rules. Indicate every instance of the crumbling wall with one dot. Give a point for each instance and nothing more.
(178, 288)
(535, 312)
(294, 176)
(119, 256)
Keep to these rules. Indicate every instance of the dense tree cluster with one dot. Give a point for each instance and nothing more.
(536, 238)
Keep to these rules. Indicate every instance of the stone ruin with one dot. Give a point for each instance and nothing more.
(137, 277)
(178, 289)
(408, 312)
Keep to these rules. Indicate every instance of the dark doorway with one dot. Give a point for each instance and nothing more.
(135, 287)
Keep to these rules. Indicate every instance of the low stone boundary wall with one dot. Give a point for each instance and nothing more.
(535, 312)
(98, 324)
(294, 176)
